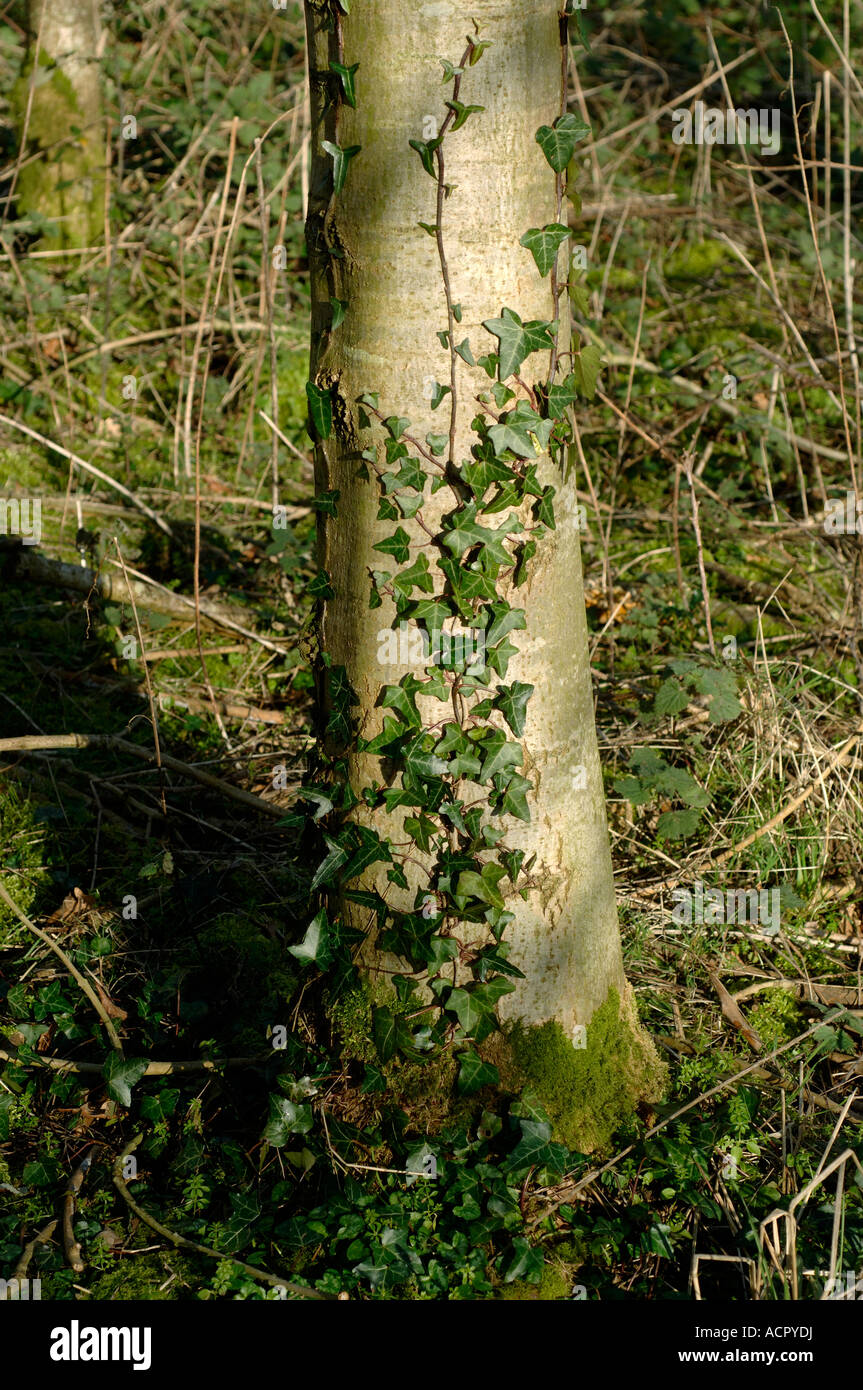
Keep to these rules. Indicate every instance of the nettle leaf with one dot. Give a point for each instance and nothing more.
(558, 142)
(543, 243)
(474, 1073)
(461, 113)
(512, 700)
(721, 686)
(341, 160)
(121, 1074)
(320, 409)
(314, 947)
(347, 80)
(671, 698)
(425, 149)
(678, 782)
(586, 365)
(676, 825)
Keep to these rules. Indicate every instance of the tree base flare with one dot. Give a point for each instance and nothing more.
(588, 1091)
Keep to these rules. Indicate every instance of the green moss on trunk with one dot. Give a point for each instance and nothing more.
(588, 1091)
(65, 185)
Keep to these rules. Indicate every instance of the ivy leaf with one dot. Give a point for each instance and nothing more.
(336, 857)
(347, 80)
(339, 307)
(500, 757)
(474, 1006)
(438, 393)
(121, 1074)
(397, 545)
(543, 243)
(384, 1032)
(286, 1118)
(464, 352)
(558, 142)
(341, 160)
(535, 1149)
(425, 149)
(420, 765)
(512, 701)
(314, 947)
(514, 801)
(461, 113)
(526, 1263)
(474, 1073)
(320, 409)
(402, 699)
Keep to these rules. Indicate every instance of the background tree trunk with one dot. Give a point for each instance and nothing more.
(565, 937)
(58, 95)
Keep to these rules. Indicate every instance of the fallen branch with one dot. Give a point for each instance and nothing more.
(72, 969)
(63, 1064)
(19, 561)
(274, 1280)
(26, 1256)
(70, 1245)
(28, 743)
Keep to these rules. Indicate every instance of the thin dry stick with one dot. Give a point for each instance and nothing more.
(699, 546)
(274, 1280)
(792, 806)
(72, 969)
(269, 314)
(153, 716)
(90, 468)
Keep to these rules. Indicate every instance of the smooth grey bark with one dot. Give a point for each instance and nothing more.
(565, 937)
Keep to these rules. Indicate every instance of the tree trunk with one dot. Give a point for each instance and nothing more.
(59, 95)
(386, 268)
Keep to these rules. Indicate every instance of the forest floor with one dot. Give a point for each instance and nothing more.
(727, 654)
